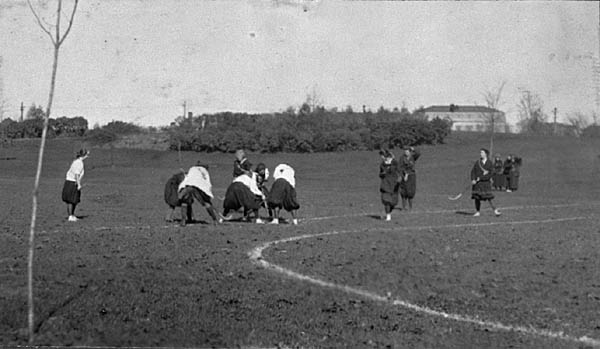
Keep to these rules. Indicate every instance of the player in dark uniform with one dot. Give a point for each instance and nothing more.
(389, 172)
(241, 165)
(408, 182)
(481, 175)
(283, 193)
(171, 193)
(514, 172)
(498, 178)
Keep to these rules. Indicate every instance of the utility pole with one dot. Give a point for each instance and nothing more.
(555, 120)
(22, 108)
(184, 109)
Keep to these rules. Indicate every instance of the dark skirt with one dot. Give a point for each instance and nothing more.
(513, 181)
(408, 188)
(171, 193)
(283, 195)
(482, 191)
(70, 193)
(499, 180)
(389, 199)
(188, 194)
(239, 195)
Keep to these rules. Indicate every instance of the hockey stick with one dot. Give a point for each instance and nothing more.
(459, 195)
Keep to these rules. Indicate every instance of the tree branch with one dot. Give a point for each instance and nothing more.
(58, 11)
(39, 21)
(70, 23)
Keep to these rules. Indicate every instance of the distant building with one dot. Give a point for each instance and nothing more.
(469, 117)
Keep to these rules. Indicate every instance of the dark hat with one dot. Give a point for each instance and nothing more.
(81, 153)
(386, 153)
(487, 152)
(260, 167)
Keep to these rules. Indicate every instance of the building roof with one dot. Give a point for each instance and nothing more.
(460, 109)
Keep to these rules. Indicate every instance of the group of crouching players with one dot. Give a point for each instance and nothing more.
(247, 192)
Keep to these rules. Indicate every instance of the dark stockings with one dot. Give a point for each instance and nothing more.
(478, 205)
(71, 209)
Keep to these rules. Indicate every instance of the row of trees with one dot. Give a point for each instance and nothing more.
(309, 129)
(533, 119)
(33, 128)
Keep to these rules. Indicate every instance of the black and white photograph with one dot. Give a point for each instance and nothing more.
(299, 174)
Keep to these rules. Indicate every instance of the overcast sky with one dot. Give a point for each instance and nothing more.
(139, 60)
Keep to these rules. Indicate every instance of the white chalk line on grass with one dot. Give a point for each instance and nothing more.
(508, 208)
(316, 219)
(93, 347)
(256, 256)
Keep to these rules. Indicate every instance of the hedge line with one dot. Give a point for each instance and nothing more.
(319, 131)
(32, 128)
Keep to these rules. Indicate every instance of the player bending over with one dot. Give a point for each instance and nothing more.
(283, 193)
(196, 186)
(172, 194)
(244, 193)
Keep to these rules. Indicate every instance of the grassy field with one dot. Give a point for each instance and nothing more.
(434, 277)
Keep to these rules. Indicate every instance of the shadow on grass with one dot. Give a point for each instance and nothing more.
(464, 213)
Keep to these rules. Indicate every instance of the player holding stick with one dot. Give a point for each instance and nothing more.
(481, 175)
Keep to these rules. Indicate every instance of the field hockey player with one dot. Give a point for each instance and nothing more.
(243, 193)
(241, 165)
(389, 172)
(408, 183)
(196, 186)
(481, 176)
(172, 194)
(283, 193)
(71, 193)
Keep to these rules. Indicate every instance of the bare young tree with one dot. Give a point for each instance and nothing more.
(492, 99)
(531, 113)
(57, 36)
(313, 100)
(579, 121)
(2, 101)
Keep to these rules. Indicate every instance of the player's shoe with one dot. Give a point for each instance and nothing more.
(274, 221)
(72, 219)
(477, 214)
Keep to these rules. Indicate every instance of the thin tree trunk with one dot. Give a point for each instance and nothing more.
(492, 137)
(36, 186)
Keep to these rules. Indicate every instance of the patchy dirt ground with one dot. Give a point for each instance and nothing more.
(123, 277)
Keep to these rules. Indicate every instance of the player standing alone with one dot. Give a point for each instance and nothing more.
(71, 193)
(481, 176)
